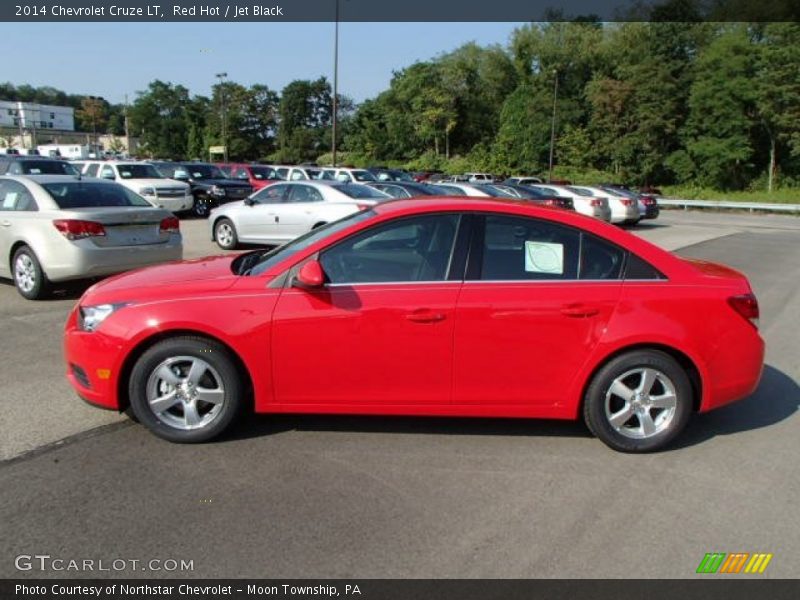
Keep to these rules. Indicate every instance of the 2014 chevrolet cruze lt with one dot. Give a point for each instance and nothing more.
(426, 307)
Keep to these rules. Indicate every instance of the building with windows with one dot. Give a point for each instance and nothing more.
(28, 116)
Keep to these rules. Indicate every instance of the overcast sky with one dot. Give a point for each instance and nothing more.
(114, 59)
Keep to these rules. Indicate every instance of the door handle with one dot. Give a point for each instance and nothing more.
(579, 311)
(425, 316)
(6, 223)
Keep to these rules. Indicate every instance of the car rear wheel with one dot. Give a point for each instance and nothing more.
(225, 234)
(638, 402)
(29, 277)
(186, 389)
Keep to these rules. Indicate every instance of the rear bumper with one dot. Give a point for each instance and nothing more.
(735, 370)
(78, 260)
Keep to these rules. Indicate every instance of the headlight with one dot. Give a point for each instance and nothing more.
(90, 317)
(148, 191)
(217, 191)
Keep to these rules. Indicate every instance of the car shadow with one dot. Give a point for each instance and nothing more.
(776, 399)
(71, 290)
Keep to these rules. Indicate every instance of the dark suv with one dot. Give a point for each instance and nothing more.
(210, 186)
(15, 164)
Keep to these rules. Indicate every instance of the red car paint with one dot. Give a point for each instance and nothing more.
(470, 348)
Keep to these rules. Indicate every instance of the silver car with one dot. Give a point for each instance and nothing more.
(58, 228)
(283, 211)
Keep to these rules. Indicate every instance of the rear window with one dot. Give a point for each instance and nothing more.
(363, 176)
(43, 167)
(79, 194)
(360, 191)
(263, 173)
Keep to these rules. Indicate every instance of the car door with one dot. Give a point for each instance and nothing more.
(258, 221)
(536, 300)
(299, 212)
(380, 331)
(17, 206)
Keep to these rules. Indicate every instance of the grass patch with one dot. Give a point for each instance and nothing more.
(780, 196)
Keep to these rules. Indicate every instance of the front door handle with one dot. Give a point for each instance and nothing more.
(579, 311)
(425, 316)
(6, 223)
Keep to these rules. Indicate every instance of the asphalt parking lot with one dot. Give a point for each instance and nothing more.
(313, 496)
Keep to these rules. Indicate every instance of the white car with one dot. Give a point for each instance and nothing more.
(143, 179)
(281, 212)
(352, 175)
(583, 202)
(301, 173)
(479, 178)
(465, 189)
(623, 210)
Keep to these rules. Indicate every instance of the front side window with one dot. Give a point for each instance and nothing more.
(91, 170)
(270, 195)
(408, 250)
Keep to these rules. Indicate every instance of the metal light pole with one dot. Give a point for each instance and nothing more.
(553, 124)
(335, 81)
(221, 77)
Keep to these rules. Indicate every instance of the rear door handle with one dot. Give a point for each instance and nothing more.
(6, 223)
(425, 316)
(579, 311)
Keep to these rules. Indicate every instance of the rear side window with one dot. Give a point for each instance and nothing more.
(15, 197)
(89, 195)
(521, 248)
(638, 268)
(600, 259)
(91, 170)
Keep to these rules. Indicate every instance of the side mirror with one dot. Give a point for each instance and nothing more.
(249, 202)
(310, 276)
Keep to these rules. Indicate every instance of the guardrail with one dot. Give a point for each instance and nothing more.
(730, 204)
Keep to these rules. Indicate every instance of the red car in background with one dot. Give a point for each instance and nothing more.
(436, 306)
(258, 176)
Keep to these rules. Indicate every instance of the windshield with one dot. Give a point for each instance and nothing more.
(83, 194)
(363, 176)
(359, 191)
(580, 192)
(273, 257)
(138, 171)
(203, 171)
(263, 173)
(44, 167)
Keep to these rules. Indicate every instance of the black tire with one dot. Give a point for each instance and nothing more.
(225, 234)
(631, 434)
(200, 208)
(222, 378)
(29, 277)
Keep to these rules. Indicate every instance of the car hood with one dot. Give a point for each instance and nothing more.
(188, 277)
(135, 184)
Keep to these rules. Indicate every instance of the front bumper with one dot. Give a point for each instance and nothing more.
(173, 204)
(92, 361)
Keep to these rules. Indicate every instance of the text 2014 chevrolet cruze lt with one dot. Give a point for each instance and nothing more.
(426, 307)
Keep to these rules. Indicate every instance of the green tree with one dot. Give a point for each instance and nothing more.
(159, 118)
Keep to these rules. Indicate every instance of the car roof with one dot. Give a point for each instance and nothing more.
(59, 179)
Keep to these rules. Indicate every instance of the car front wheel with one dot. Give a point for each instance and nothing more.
(639, 401)
(186, 389)
(225, 234)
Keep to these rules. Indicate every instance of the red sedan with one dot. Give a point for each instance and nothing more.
(425, 307)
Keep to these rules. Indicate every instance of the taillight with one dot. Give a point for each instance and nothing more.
(75, 229)
(361, 206)
(747, 306)
(170, 225)
(626, 201)
(550, 202)
(648, 201)
(596, 202)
